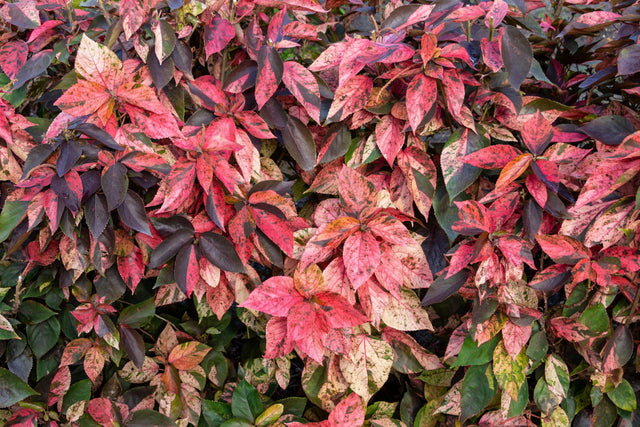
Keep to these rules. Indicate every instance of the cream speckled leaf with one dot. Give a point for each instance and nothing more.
(99, 64)
(367, 366)
(556, 374)
(509, 373)
(406, 314)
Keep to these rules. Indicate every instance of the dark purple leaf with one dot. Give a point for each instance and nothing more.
(132, 343)
(442, 288)
(516, 54)
(36, 156)
(132, 213)
(168, 226)
(98, 134)
(115, 183)
(610, 130)
(169, 247)
(161, 74)
(298, 141)
(34, 66)
(70, 152)
(96, 214)
(220, 252)
(629, 60)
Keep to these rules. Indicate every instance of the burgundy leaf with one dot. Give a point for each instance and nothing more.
(13, 55)
(270, 71)
(304, 86)
(422, 93)
(186, 269)
(115, 183)
(132, 213)
(220, 252)
(218, 32)
(492, 157)
(169, 247)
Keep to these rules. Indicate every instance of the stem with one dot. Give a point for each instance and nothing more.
(104, 12)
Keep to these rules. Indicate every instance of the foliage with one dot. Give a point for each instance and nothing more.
(329, 213)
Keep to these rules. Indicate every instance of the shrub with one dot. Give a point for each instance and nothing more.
(260, 212)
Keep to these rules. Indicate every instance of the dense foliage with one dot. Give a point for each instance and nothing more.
(339, 213)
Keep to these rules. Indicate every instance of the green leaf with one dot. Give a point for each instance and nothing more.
(556, 375)
(12, 214)
(215, 413)
(471, 354)
(12, 389)
(139, 314)
(517, 407)
(43, 336)
(558, 418)
(458, 176)
(34, 312)
(538, 346)
(510, 374)
(148, 418)
(595, 317)
(545, 400)
(624, 397)
(80, 390)
(246, 402)
(478, 388)
(236, 422)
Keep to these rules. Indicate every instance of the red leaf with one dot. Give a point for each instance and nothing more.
(390, 229)
(254, 124)
(13, 55)
(303, 5)
(186, 269)
(389, 137)
(515, 337)
(74, 351)
(276, 334)
(356, 192)
(188, 355)
(350, 411)
(276, 296)
(512, 171)
(492, 157)
(59, 385)
(309, 280)
(102, 411)
(304, 86)
(358, 54)
(218, 32)
(453, 90)
(339, 312)
(85, 98)
(240, 228)
(361, 254)
(491, 54)
(537, 133)
(474, 218)
(460, 259)
(310, 341)
(421, 174)
(551, 278)
(350, 97)
(133, 15)
(179, 185)
(563, 249)
(220, 298)
(132, 268)
(277, 229)
(537, 189)
(609, 176)
(516, 250)
(301, 30)
(418, 13)
(94, 363)
(422, 93)
(570, 329)
(547, 172)
(270, 71)
(328, 238)
(99, 64)
(155, 126)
